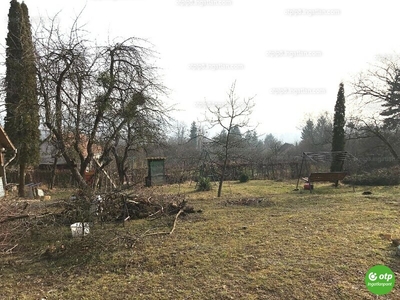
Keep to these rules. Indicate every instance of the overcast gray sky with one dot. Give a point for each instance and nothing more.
(291, 55)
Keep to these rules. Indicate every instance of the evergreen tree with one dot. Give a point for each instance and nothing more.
(13, 67)
(22, 109)
(391, 103)
(251, 138)
(316, 134)
(193, 134)
(307, 132)
(272, 145)
(323, 131)
(236, 131)
(338, 139)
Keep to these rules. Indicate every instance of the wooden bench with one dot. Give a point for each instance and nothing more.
(319, 177)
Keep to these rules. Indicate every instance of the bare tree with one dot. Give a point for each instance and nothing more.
(373, 85)
(372, 127)
(147, 127)
(230, 117)
(376, 93)
(179, 133)
(90, 93)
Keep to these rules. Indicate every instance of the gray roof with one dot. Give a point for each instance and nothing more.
(48, 153)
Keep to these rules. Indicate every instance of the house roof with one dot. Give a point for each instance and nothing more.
(47, 154)
(48, 151)
(5, 140)
(156, 158)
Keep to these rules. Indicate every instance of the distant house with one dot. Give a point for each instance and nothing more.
(50, 156)
(5, 146)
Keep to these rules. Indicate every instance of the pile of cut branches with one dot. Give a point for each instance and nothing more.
(119, 206)
(12, 216)
(122, 206)
(21, 219)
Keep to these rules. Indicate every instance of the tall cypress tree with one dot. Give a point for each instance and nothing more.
(338, 139)
(22, 108)
(14, 68)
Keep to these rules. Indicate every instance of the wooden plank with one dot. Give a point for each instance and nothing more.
(334, 176)
(104, 172)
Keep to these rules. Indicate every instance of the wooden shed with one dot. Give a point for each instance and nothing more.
(156, 171)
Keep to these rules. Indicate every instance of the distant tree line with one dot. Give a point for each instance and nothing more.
(100, 108)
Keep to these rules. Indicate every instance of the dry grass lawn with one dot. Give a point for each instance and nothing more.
(261, 240)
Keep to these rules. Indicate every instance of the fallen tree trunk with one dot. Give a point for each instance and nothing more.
(5, 219)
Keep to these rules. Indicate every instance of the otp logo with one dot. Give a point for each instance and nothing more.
(372, 276)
